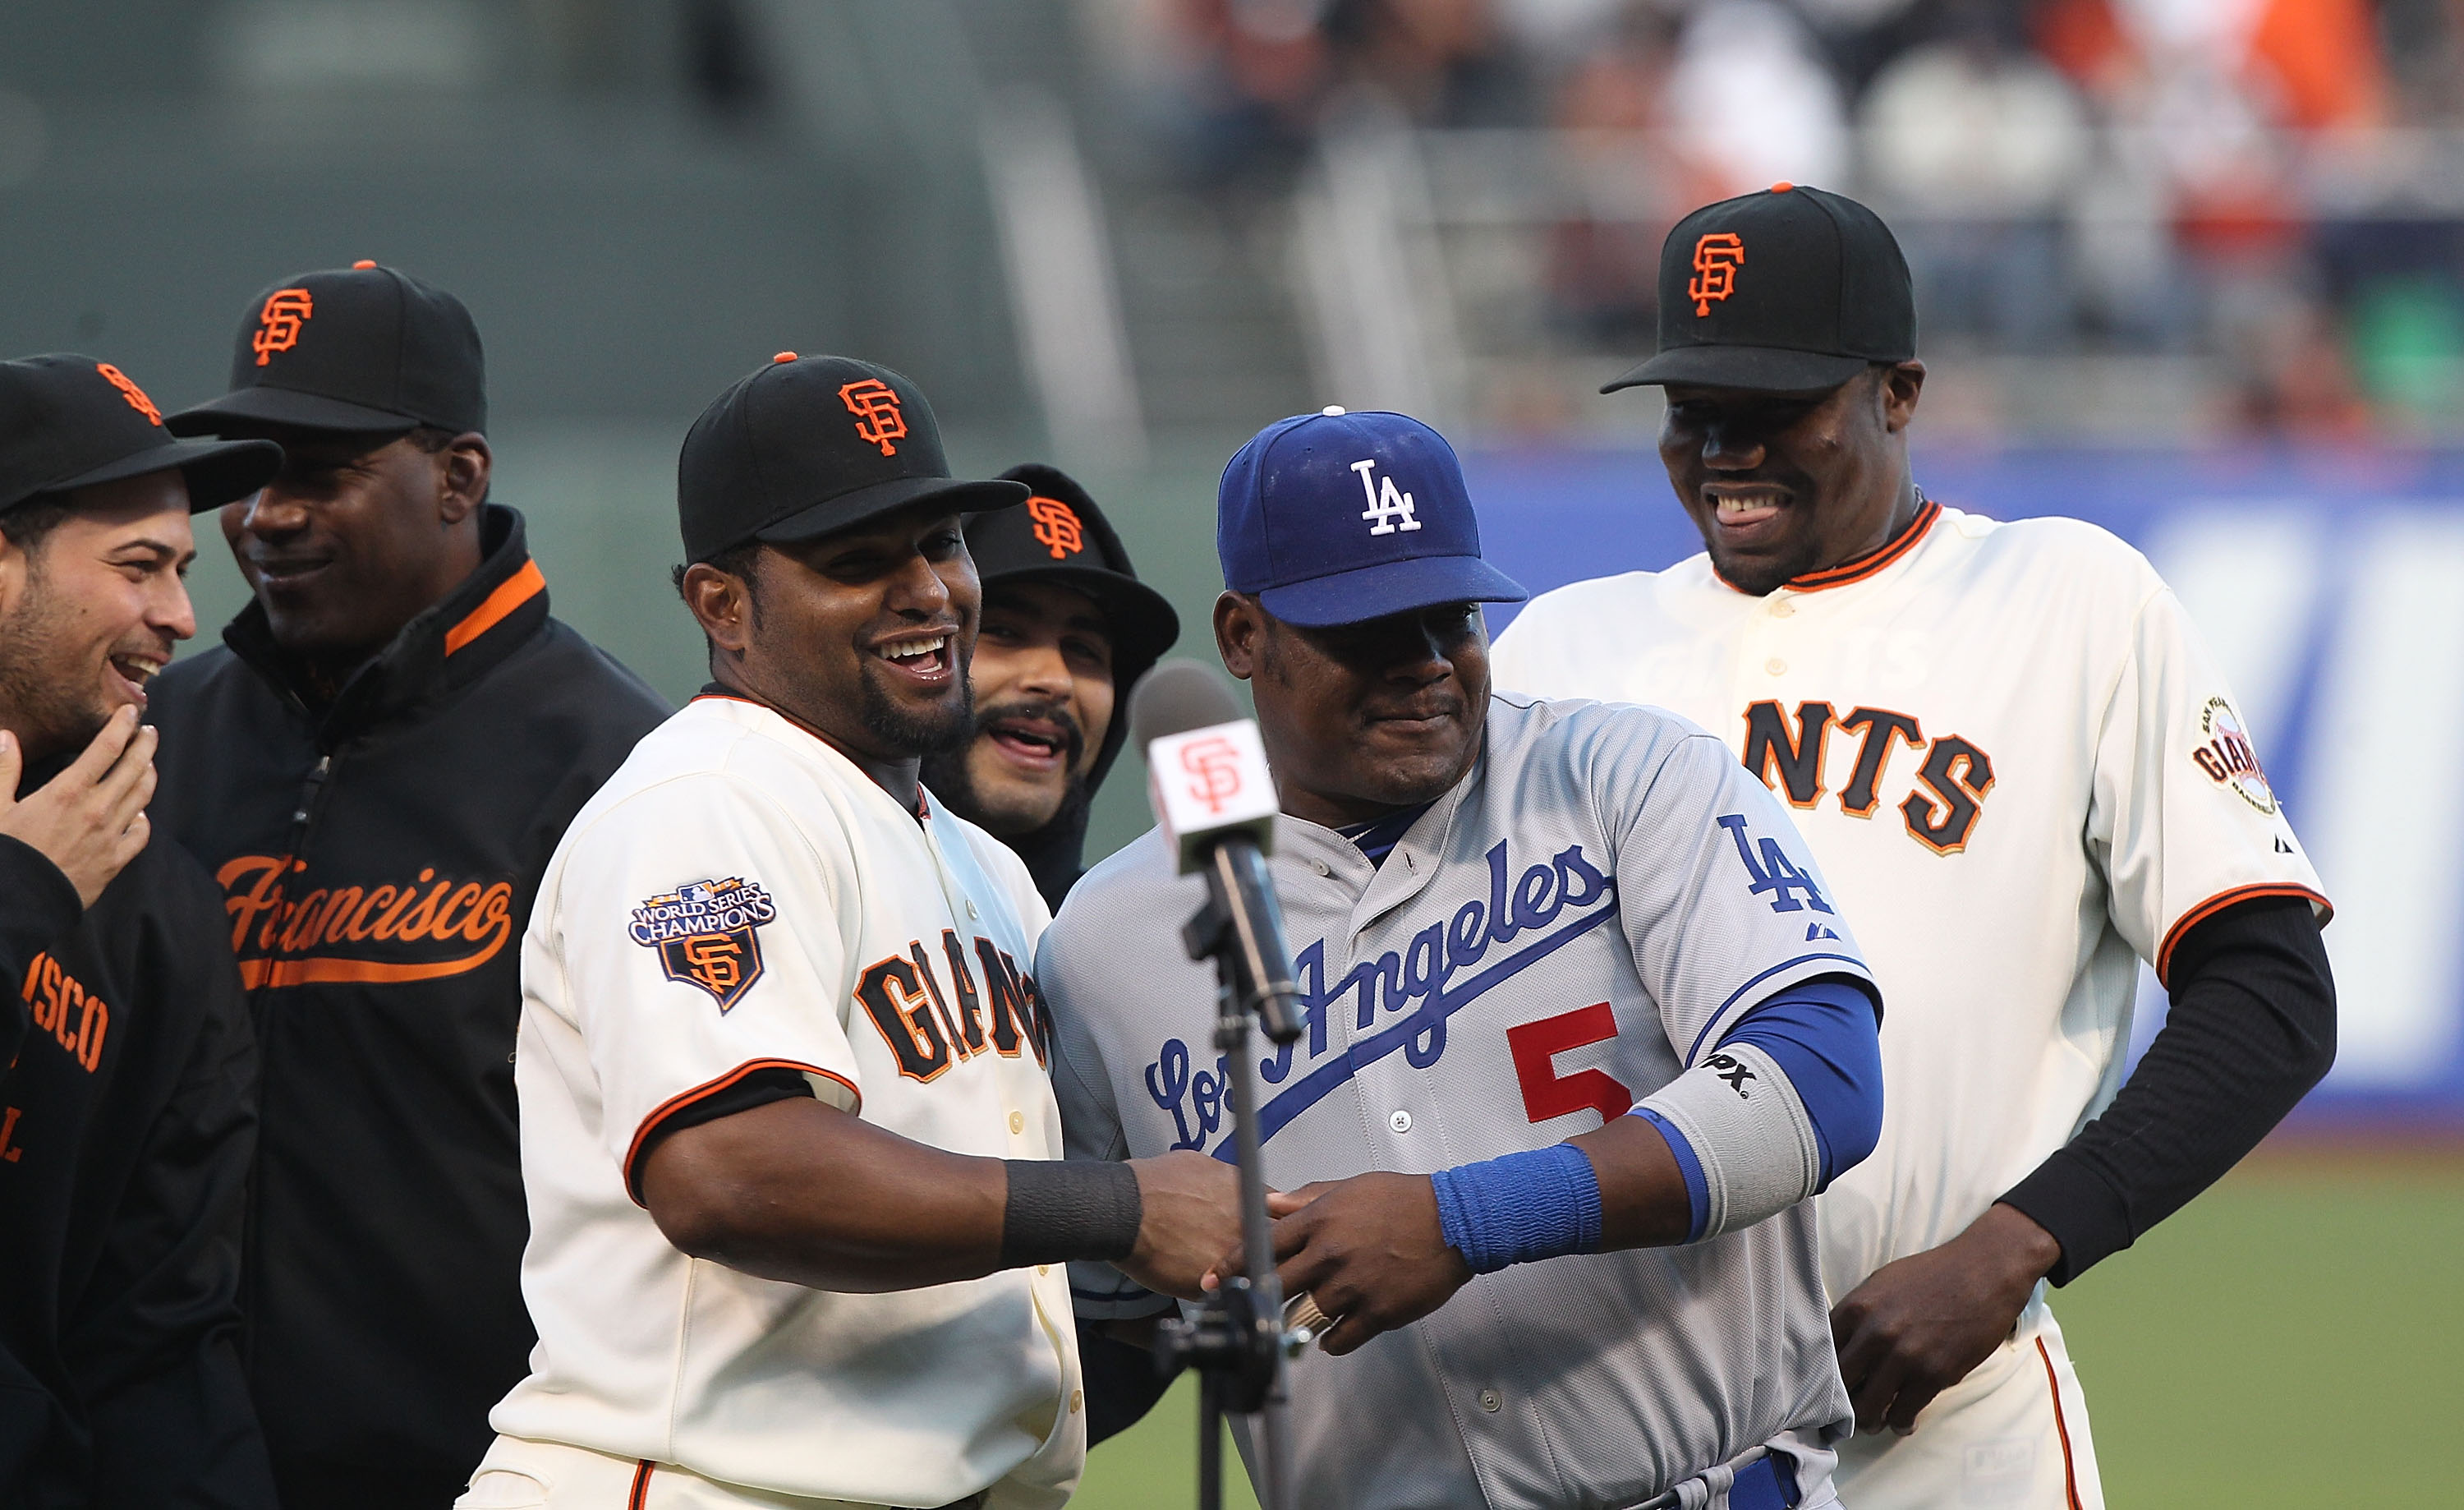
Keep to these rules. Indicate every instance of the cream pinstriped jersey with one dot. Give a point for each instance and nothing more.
(740, 897)
(2009, 749)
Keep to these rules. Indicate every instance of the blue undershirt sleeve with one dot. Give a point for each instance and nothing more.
(1825, 1033)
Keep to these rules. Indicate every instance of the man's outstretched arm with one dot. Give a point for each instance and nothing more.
(1792, 1097)
(795, 1191)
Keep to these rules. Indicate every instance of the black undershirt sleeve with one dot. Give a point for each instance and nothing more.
(760, 1088)
(2251, 1028)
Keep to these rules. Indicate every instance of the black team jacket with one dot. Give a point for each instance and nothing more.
(127, 1120)
(377, 859)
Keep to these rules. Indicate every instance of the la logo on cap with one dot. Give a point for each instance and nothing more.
(1390, 509)
(277, 329)
(875, 404)
(1057, 526)
(1717, 257)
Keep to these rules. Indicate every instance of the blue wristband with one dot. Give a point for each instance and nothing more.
(1520, 1207)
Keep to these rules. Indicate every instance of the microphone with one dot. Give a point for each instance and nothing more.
(1215, 800)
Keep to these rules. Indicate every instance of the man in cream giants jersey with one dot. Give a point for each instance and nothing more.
(798, 1227)
(1514, 924)
(2006, 745)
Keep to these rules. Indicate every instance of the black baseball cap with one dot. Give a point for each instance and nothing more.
(1062, 538)
(809, 445)
(69, 421)
(1793, 290)
(362, 349)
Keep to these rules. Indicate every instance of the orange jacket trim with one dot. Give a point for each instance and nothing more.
(510, 594)
(641, 1491)
(2218, 903)
(684, 1098)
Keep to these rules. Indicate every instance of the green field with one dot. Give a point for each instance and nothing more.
(2294, 1339)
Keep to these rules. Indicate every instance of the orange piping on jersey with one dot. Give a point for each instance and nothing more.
(2061, 1429)
(510, 594)
(2218, 903)
(684, 1098)
(641, 1494)
(1865, 565)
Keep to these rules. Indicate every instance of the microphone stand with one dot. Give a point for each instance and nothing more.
(1236, 1341)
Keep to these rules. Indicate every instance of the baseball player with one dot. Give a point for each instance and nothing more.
(1515, 923)
(2008, 746)
(798, 1223)
(1068, 630)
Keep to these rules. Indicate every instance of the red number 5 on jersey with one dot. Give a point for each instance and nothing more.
(1545, 1094)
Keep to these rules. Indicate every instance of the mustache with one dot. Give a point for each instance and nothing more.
(1048, 709)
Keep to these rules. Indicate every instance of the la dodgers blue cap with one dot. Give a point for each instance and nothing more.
(1336, 517)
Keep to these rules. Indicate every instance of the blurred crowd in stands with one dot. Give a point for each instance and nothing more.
(2278, 185)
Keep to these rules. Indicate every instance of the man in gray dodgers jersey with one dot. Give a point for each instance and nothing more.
(1512, 924)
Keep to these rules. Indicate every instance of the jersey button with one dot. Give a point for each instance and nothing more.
(1782, 607)
(1775, 666)
(1491, 1400)
(1017, 1122)
(1400, 1121)
(1077, 1400)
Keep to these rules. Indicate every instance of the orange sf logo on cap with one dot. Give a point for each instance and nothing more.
(1056, 526)
(277, 328)
(1717, 257)
(875, 404)
(129, 391)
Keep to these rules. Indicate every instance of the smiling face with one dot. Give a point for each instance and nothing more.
(1361, 719)
(91, 611)
(863, 635)
(356, 536)
(1042, 682)
(1783, 484)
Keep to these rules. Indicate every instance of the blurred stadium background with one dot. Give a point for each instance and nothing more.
(2192, 269)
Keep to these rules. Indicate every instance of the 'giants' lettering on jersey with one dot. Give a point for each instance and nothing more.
(1419, 977)
(1940, 813)
(929, 1030)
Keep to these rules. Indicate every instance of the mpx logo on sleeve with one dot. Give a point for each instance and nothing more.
(707, 934)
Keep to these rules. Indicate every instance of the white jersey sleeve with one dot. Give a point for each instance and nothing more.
(2181, 819)
(700, 930)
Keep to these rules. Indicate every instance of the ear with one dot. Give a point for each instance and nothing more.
(462, 484)
(15, 567)
(1238, 627)
(722, 605)
(1899, 390)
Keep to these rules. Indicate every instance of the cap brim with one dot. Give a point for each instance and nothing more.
(1143, 624)
(249, 407)
(1767, 369)
(957, 495)
(1391, 587)
(216, 472)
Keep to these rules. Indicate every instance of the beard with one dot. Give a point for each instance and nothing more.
(946, 725)
(40, 694)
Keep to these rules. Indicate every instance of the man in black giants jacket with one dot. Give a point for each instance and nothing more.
(376, 768)
(127, 1100)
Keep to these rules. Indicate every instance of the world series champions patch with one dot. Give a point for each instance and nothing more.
(708, 934)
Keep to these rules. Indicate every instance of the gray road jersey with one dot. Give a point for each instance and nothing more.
(1580, 918)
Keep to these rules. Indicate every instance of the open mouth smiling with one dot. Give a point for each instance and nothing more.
(925, 659)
